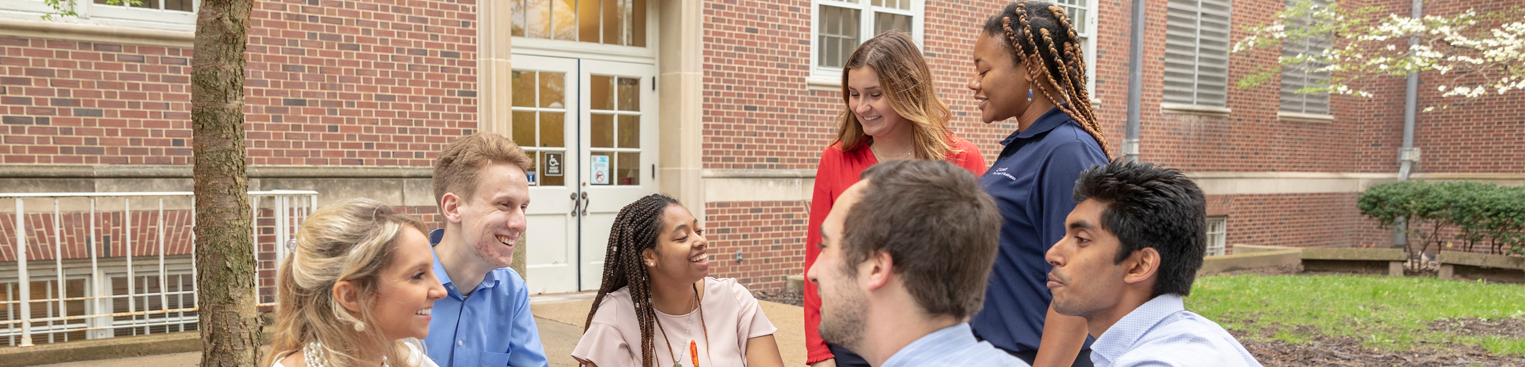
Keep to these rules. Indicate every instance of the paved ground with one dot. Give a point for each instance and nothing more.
(560, 318)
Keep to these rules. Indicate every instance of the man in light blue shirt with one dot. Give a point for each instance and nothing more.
(485, 319)
(905, 256)
(1130, 252)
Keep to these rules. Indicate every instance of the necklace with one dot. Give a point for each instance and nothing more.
(693, 348)
(313, 355)
(903, 154)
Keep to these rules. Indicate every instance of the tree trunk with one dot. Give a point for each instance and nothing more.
(229, 323)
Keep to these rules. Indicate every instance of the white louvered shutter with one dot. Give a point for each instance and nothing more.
(1196, 52)
(1296, 77)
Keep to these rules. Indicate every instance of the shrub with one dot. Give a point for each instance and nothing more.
(1478, 212)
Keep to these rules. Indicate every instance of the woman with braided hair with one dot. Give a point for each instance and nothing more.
(1028, 67)
(658, 307)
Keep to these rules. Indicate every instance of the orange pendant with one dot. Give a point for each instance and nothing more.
(693, 350)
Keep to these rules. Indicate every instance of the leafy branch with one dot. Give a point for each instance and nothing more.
(1481, 52)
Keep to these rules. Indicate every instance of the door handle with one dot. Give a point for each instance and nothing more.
(585, 202)
(575, 204)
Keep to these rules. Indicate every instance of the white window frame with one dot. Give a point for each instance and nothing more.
(98, 284)
(831, 77)
(1172, 99)
(106, 15)
(1087, 35)
(1217, 235)
(1296, 78)
(589, 50)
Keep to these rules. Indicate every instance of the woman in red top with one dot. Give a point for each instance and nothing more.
(891, 112)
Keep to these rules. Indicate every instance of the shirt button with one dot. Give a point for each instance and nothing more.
(458, 342)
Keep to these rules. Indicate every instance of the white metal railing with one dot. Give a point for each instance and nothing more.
(276, 222)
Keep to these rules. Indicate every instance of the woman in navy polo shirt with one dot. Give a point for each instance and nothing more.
(1028, 66)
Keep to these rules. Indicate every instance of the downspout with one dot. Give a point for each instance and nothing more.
(1409, 155)
(1135, 82)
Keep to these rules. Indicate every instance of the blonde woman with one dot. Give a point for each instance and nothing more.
(356, 290)
(891, 113)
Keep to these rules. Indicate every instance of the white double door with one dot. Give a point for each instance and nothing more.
(591, 127)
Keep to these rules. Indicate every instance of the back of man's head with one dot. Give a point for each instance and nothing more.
(458, 168)
(939, 228)
(1149, 206)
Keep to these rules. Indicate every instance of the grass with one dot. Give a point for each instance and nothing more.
(1387, 313)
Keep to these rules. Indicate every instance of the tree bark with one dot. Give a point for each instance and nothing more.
(229, 322)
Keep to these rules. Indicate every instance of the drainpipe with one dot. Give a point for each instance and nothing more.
(1135, 81)
(1409, 155)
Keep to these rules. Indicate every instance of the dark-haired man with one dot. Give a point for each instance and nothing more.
(1130, 252)
(905, 255)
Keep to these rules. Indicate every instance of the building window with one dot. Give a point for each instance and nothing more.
(609, 22)
(1196, 52)
(1297, 77)
(841, 25)
(1217, 234)
(1080, 12)
(177, 15)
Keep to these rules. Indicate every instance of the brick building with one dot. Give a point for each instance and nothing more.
(723, 104)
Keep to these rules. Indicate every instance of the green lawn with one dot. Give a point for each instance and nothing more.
(1387, 313)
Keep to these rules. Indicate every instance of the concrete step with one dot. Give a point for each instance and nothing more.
(796, 283)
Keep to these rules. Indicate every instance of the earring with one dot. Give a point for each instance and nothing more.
(359, 326)
(1029, 94)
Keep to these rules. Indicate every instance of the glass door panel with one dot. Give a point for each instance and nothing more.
(545, 126)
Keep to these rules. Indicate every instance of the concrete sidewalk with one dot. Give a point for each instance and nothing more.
(559, 318)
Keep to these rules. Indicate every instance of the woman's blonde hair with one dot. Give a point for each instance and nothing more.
(907, 82)
(350, 240)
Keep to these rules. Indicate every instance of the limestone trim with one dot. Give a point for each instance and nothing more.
(680, 88)
(184, 171)
(1187, 109)
(495, 72)
(96, 33)
(796, 185)
(1304, 117)
(823, 84)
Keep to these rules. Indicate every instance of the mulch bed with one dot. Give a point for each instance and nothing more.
(1506, 328)
(1348, 352)
(780, 296)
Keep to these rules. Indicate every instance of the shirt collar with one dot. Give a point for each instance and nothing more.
(489, 280)
(956, 335)
(1127, 331)
(1050, 120)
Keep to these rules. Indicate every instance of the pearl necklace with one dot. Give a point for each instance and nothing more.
(313, 355)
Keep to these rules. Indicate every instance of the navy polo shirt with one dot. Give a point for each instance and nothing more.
(1033, 182)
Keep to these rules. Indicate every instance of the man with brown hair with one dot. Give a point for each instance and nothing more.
(905, 255)
(485, 320)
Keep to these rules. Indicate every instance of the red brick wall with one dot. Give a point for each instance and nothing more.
(1302, 220)
(357, 83)
(770, 235)
(758, 113)
(1481, 135)
(43, 242)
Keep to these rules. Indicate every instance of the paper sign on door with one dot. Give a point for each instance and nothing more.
(600, 170)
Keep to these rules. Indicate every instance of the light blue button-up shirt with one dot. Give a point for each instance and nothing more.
(1162, 333)
(953, 346)
(493, 327)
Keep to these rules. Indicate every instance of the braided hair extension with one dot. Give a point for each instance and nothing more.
(635, 230)
(1023, 24)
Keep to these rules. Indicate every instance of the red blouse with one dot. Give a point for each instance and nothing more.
(837, 171)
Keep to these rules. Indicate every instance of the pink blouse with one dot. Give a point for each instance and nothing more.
(731, 315)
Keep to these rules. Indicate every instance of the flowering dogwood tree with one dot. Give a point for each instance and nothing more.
(1480, 52)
